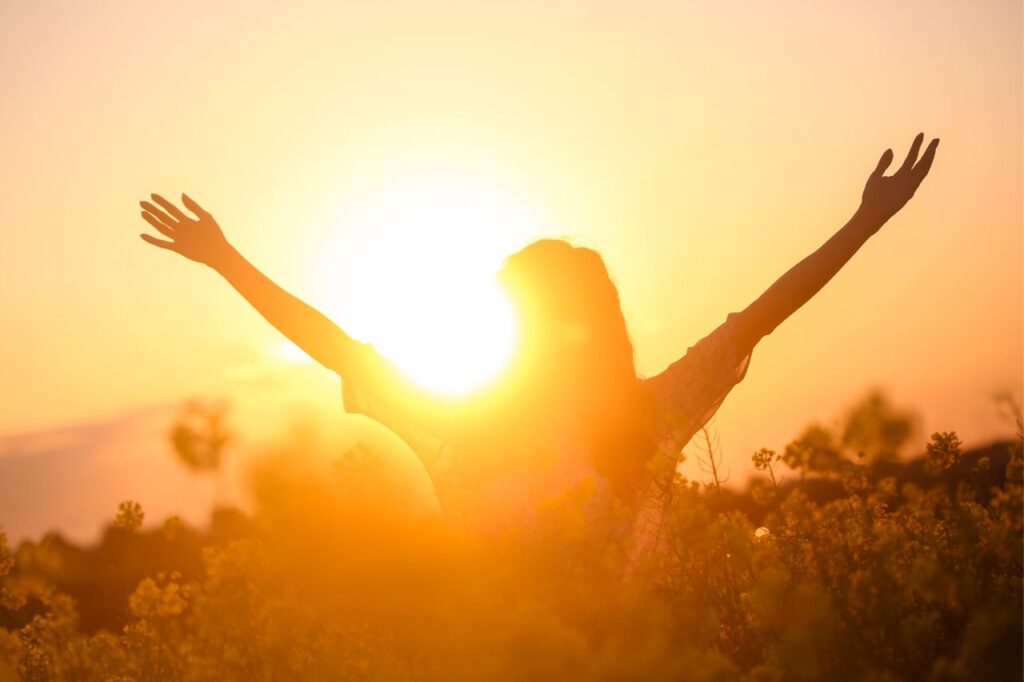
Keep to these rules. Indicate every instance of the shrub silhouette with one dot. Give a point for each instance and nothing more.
(855, 569)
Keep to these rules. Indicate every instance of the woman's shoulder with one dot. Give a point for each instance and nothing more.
(689, 391)
(715, 352)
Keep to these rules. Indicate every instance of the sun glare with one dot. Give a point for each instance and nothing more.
(412, 270)
(290, 353)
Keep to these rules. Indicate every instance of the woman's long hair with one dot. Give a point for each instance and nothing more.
(575, 355)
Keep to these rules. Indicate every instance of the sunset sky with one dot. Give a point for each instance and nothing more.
(354, 151)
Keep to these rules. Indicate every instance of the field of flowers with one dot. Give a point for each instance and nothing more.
(841, 561)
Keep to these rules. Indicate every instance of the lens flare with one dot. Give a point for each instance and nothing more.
(421, 252)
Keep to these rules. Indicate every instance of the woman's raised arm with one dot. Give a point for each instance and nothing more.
(200, 239)
(883, 197)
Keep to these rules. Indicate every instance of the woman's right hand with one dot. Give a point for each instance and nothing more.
(885, 195)
(199, 239)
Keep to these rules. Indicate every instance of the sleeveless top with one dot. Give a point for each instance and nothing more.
(487, 486)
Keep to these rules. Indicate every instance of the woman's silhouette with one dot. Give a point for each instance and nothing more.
(570, 409)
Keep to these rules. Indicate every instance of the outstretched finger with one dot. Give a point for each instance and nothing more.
(915, 147)
(159, 214)
(163, 244)
(925, 164)
(169, 207)
(191, 205)
(883, 163)
(160, 227)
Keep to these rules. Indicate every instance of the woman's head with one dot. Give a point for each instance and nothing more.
(574, 351)
(569, 317)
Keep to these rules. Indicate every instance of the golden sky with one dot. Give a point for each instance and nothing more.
(703, 148)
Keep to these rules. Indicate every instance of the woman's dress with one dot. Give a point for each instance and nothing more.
(492, 482)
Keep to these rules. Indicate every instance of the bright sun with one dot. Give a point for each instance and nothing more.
(411, 266)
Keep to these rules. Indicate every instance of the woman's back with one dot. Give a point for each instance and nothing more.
(497, 464)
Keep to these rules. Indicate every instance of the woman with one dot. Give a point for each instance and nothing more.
(570, 409)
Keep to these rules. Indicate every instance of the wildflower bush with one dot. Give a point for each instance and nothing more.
(838, 562)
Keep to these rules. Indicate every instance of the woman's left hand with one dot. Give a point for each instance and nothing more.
(197, 238)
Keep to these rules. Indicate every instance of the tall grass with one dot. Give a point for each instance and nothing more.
(835, 564)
